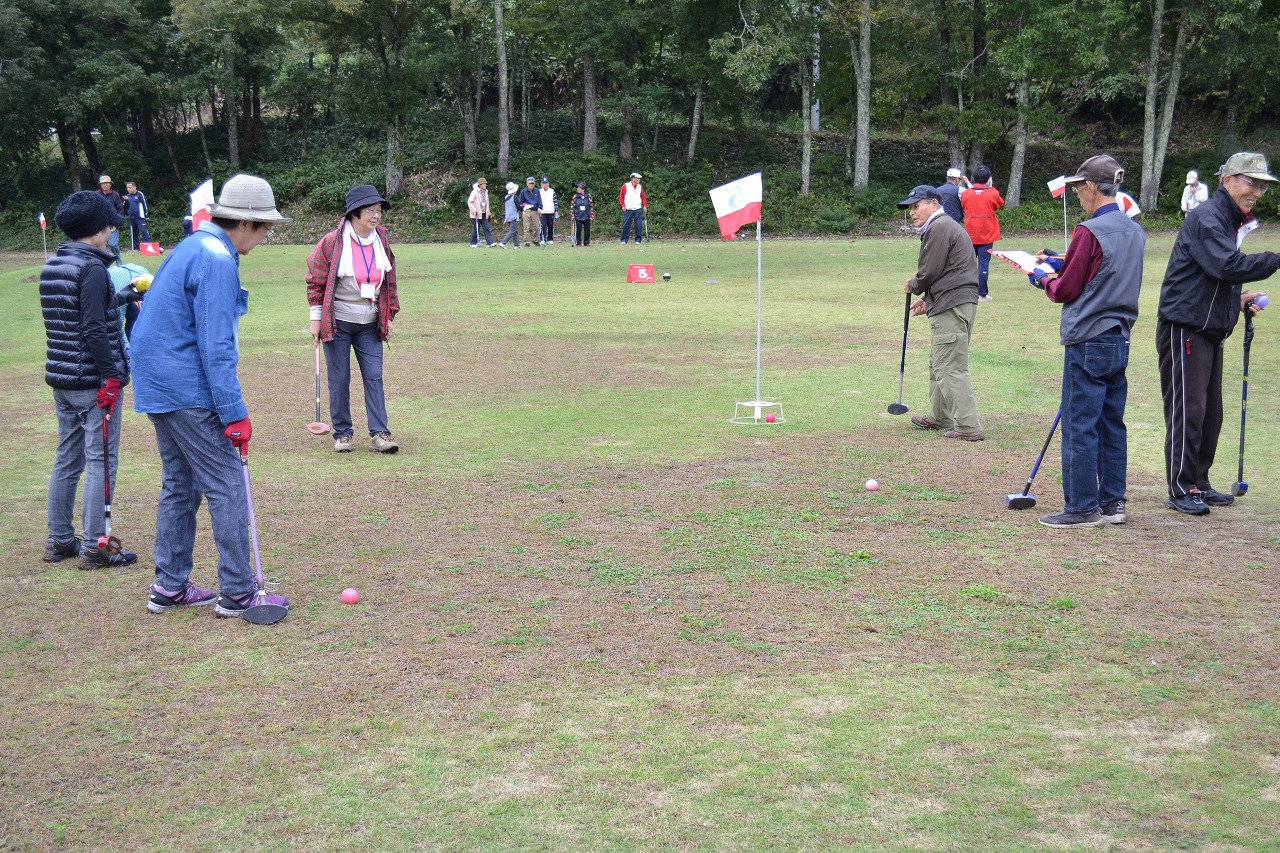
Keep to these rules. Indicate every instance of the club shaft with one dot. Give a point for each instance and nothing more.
(1043, 450)
(253, 523)
(902, 364)
(1244, 391)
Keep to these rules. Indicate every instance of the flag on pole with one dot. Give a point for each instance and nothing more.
(737, 204)
(201, 198)
(1128, 205)
(41, 220)
(1058, 186)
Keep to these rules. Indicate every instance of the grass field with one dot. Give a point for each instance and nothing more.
(597, 616)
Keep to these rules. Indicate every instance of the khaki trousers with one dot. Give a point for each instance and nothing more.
(530, 220)
(950, 391)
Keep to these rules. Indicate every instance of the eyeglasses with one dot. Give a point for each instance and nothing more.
(1255, 186)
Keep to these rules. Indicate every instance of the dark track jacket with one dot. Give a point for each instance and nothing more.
(1201, 288)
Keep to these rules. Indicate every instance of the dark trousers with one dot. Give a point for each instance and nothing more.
(1095, 450)
(138, 231)
(1191, 386)
(476, 226)
(582, 232)
(632, 218)
(983, 252)
(547, 230)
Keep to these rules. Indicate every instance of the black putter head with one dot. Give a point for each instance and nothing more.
(1020, 501)
(898, 408)
(1239, 488)
(264, 613)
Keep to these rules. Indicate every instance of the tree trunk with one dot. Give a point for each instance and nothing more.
(626, 151)
(469, 144)
(1013, 192)
(504, 92)
(90, 149)
(1149, 105)
(70, 154)
(525, 97)
(806, 93)
(862, 84)
(229, 104)
(590, 106)
(946, 93)
(696, 122)
(1166, 115)
(204, 142)
(395, 156)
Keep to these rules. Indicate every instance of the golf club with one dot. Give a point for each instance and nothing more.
(1024, 500)
(645, 217)
(108, 545)
(1239, 487)
(261, 612)
(901, 408)
(318, 427)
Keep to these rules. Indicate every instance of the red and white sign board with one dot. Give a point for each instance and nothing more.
(150, 249)
(201, 198)
(640, 273)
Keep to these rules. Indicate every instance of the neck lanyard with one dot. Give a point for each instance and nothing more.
(369, 262)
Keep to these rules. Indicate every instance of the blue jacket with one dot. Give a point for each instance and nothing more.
(530, 198)
(136, 205)
(186, 342)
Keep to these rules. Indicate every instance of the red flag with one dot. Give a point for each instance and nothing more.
(40, 219)
(1058, 186)
(737, 204)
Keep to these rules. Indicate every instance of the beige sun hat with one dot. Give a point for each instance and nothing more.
(249, 198)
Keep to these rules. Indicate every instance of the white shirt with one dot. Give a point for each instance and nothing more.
(1194, 195)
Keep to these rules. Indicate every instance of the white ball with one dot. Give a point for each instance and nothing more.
(872, 485)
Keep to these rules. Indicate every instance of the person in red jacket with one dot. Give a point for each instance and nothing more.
(980, 202)
(633, 203)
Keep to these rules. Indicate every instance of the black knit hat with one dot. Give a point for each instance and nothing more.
(84, 214)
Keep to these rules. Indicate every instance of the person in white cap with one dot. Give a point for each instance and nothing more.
(950, 192)
(1201, 300)
(1194, 194)
(634, 206)
(186, 350)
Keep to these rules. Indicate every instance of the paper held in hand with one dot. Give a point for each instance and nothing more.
(1024, 261)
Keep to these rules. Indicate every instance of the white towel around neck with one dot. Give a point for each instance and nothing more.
(345, 265)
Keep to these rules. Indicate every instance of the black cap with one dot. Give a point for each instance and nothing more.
(85, 213)
(920, 193)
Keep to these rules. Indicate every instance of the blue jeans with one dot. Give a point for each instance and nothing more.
(138, 233)
(1094, 441)
(629, 217)
(983, 252)
(476, 226)
(363, 338)
(80, 450)
(198, 462)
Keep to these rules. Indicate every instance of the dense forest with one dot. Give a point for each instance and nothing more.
(843, 103)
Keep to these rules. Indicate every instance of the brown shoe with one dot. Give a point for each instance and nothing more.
(965, 436)
(925, 422)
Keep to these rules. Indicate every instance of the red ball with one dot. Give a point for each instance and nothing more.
(769, 418)
(350, 596)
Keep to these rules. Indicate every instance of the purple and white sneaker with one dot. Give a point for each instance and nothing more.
(233, 606)
(189, 596)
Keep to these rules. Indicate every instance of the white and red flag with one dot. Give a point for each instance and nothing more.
(737, 204)
(1058, 186)
(201, 198)
(43, 223)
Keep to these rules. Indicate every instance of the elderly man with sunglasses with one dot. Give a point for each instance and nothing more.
(1200, 303)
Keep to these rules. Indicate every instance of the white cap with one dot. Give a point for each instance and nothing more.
(953, 172)
(1192, 177)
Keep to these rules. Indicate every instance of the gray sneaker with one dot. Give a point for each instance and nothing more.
(382, 443)
(91, 559)
(56, 552)
(342, 444)
(1113, 513)
(1064, 520)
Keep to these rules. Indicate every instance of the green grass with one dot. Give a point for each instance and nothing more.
(595, 615)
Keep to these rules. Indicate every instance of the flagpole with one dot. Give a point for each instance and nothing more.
(759, 301)
(1064, 223)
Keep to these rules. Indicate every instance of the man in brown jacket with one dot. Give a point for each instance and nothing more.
(947, 282)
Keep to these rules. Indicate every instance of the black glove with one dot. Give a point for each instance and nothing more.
(128, 293)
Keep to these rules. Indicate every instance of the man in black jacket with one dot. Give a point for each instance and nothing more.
(87, 368)
(1200, 302)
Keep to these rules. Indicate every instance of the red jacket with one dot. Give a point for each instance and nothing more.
(622, 196)
(980, 203)
(322, 275)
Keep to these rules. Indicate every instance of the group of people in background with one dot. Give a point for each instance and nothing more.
(530, 214)
(1098, 283)
(132, 207)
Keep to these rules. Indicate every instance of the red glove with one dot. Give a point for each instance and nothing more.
(108, 394)
(239, 432)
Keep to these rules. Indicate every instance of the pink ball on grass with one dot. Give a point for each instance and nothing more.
(872, 485)
(350, 596)
(770, 418)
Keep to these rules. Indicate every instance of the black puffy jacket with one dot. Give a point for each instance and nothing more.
(81, 320)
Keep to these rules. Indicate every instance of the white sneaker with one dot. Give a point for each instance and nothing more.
(382, 443)
(342, 444)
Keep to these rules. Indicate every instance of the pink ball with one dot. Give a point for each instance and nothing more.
(872, 485)
(350, 596)
(769, 419)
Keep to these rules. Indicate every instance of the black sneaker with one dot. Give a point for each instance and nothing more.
(94, 560)
(1113, 513)
(1074, 519)
(1191, 504)
(1213, 497)
(56, 552)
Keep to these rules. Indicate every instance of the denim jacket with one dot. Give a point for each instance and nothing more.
(186, 340)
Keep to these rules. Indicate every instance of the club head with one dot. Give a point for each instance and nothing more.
(1239, 488)
(318, 428)
(898, 408)
(264, 614)
(109, 546)
(1019, 501)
